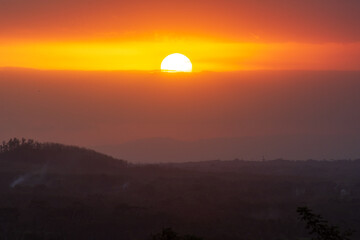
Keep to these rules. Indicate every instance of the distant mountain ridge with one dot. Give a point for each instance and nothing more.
(292, 147)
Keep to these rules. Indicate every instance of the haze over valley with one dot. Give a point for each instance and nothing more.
(150, 117)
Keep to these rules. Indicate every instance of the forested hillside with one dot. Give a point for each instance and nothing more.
(52, 191)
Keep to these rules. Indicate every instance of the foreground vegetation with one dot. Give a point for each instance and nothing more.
(52, 191)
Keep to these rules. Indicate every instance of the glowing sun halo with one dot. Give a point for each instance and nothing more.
(176, 62)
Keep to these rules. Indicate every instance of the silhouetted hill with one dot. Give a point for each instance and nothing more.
(28, 155)
(52, 191)
(278, 167)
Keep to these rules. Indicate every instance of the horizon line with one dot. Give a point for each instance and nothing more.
(157, 71)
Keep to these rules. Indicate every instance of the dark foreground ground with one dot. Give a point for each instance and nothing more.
(51, 191)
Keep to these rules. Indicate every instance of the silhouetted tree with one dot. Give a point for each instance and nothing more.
(166, 234)
(169, 234)
(191, 237)
(320, 228)
(14, 144)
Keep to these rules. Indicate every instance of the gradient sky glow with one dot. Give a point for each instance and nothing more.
(87, 72)
(215, 35)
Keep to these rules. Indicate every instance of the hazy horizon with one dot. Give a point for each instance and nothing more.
(97, 109)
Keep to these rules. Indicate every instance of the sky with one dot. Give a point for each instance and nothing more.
(87, 72)
(216, 35)
(102, 108)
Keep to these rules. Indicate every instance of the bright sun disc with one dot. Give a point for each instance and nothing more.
(176, 62)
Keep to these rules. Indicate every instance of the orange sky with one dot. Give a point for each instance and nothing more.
(215, 35)
(98, 108)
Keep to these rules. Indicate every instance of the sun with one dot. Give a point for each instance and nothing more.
(176, 62)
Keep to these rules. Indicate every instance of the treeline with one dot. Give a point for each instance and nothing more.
(23, 144)
(24, 148)
(14, 144)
